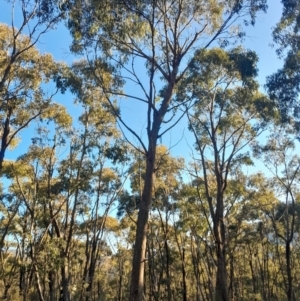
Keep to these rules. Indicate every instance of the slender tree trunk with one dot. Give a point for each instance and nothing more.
(231, 291)
(92, 254)
(90, 266)
(197, 273)
(91, 273)
(5, 293)
(289, 271)
(168, 270)
(120, 289)
(184, 286)
(165, 228)
(268, 272)
(38, 283)
(153, 287)
(150, 271)
(51, 285)
(138, 264)
(4, 138)
(221, 281)
(22, 280)
(253, 276)
(65, 295)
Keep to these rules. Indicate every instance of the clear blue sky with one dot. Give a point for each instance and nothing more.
(258, 39)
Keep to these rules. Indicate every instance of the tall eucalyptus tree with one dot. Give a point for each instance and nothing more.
(24, 71)
(158, 35)
(228, 114)
(284, 85)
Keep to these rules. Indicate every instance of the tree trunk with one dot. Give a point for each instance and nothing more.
(38, 283)
(289, 271)
(168, 270)
(91, 273)
(5, 293)
(4, 138)
(231, 290)
(196, 270)
(138, 264)
(65, 295)
(121, 271)
(184, 286)
(221, 281)
(51, 285)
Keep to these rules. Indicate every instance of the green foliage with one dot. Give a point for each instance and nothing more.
(283, 86)
(229, 112)
(58, 201)
(25, 74)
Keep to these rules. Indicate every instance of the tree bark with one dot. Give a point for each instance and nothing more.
(4, 138)
(138, 264)
(289, 271)
(38, 283)
(65, 295)
(51, 284)
(184, 286)
(221, 280)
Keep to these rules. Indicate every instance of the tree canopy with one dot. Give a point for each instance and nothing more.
(96, 205)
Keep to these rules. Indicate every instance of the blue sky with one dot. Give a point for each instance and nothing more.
(57, 43)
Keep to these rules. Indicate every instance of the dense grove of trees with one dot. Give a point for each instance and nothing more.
(97, 208)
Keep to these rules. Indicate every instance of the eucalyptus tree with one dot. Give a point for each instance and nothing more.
(168, 181)
(21, 197)
(158, 35)
(73, 192)
(28, 180)
(284, 85)
(251, 270)
(280, 158)
(228, 114)
(92, 176)
(24, 71)
(161, 255)
(25, 90)
(34, 19)
(63, 208)
(201, 241)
